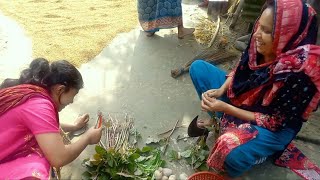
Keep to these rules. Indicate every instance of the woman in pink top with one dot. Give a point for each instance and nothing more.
(30, 139)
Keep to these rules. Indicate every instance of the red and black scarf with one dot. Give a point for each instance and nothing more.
(17, 95)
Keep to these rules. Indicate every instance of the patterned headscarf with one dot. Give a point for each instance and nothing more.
(294, 32)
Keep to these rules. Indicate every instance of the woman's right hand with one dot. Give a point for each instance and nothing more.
(216, 93)
(93, 135)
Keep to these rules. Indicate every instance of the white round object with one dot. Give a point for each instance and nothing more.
(165, 178)
(158, 175)
(166, 171)
(183, 176)
(172, 177)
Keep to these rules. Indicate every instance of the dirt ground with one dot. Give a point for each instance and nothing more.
(73, 30)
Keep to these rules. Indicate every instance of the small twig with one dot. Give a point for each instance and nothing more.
(174, 128)
(123, 137)
(215, 33)
(181, 138)
(118, 139)
(101, 143)
(168, 130)
(168, 138)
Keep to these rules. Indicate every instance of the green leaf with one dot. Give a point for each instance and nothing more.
(162, 164)
(173, 155)
(202, 142)
(204, 152)
(134, 156)
(86, 175)
(107, 164)
(113, 173)
(203, 167)
(110, 163)
(103, 177)
(131, 167)
(189, 160)
(198, 164)
(186, 153)
(97, 157)
(206, 148)
(146, 149)
(100, 150)
(92, 169)
(111, 151)
(202, 158)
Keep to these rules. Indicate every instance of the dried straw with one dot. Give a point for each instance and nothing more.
(73, 30)
(204, 31)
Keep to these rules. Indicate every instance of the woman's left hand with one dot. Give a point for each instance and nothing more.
(81, 121)
(211, 104)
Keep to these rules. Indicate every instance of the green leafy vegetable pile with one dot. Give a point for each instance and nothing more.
(135, 164)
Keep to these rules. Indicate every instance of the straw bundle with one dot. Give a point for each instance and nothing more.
(205, 31)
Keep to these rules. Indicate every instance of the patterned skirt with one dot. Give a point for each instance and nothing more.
(159, 14)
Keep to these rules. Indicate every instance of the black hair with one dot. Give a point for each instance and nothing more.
(43, 74)
(270, 4)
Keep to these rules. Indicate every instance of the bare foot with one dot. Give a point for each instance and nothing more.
(81, 121)
(184, 31)
(203, 123)
(149, 34)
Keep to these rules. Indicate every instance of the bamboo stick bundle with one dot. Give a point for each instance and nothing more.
(214, 57)
(116, 133)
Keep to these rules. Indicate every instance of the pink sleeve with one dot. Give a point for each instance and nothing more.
(39, 116)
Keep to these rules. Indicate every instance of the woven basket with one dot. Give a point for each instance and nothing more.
(205, 175)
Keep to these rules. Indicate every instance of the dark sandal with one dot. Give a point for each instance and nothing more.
(195, 131)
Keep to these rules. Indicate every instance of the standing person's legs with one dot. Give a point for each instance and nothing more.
(182, 31)
(206, 76)
(266, 143)
(147, 16)
(204, 3)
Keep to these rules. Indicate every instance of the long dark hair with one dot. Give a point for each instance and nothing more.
(43, 74)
